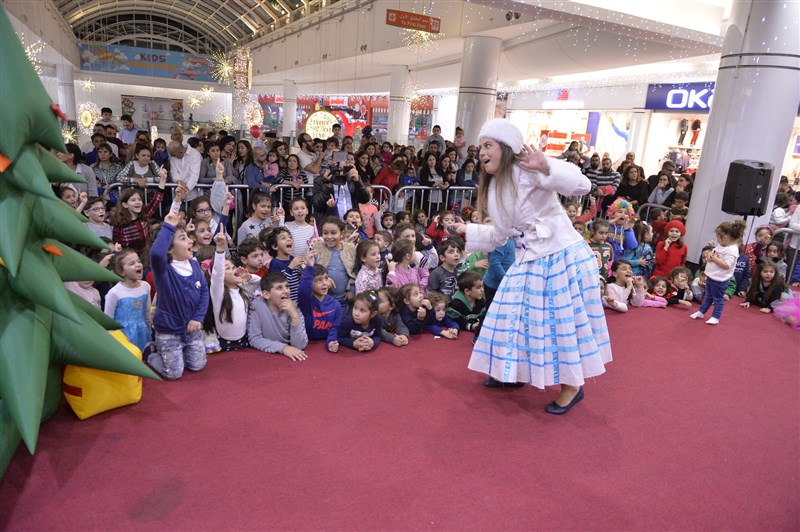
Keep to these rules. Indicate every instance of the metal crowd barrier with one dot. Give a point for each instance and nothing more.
(646, 208)
(405, 198)
(789, 236)
(414, 197)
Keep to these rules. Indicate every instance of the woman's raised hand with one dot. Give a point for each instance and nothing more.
(534, 160)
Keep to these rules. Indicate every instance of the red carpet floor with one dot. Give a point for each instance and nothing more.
(693, 427)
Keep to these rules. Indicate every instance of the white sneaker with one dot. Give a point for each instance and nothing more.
(712, 321)
(697, 315)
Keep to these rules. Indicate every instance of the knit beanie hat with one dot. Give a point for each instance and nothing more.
(503, 131)
(677, 224)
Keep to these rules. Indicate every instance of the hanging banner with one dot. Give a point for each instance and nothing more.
(412, 21)
(144, 62)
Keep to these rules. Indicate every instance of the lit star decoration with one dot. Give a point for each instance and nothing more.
(194, 101)
(34, 52)
(221, 68)
(207, 92)
(88, 85)
(68, 134)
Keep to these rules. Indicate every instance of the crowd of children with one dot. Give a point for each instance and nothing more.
(357, 278)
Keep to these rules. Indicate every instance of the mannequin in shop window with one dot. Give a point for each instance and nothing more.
(684, 127)
(696, 126)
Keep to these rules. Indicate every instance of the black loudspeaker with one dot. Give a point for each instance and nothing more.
(747, 188)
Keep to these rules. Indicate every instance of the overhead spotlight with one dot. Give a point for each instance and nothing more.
(516, 16)
(509, 16)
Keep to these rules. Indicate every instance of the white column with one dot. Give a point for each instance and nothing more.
(435, 115)
(289, 111)
(637, 136)
(66, 90)
(477, 89)
(399, 105)
(756, 98)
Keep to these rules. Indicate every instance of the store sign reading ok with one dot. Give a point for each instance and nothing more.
(689, 99)
(686, 96)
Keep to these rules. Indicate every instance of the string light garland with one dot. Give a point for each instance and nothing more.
(34, 51)
(421, 42)
(221, 68)
(241, 74)
(69, 134)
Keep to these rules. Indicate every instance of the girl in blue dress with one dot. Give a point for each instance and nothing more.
(128, 302)
(546, 324)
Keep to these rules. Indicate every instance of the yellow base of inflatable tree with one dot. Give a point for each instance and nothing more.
(42, 325)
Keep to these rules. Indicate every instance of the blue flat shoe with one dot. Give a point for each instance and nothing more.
(557, 409)
(491, 382)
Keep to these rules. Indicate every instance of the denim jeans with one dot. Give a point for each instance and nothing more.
(176, 351)
(715, 292)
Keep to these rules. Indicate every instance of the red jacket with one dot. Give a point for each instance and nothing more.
(668, 259)
(387, 178)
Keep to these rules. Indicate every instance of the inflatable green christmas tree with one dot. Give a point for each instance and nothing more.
(42, 325)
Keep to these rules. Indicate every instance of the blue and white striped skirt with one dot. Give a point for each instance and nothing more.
(546, 324)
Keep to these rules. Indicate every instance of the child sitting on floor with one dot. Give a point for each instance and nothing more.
(679, 291)
(436, 320)
(394, 330)
(321, 312)
(274, 324)
(414, 307)
(468, 306)
(620, 289)
(362, 329)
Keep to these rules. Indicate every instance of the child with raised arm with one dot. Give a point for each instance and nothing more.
(719, 269)
(361, 329)
(551, 291)
(321, 312)
(261, 217)
(181, 303)
(229, 299)
(274, 324)
(620, 223)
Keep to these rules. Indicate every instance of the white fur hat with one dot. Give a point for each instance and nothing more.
(503, 131)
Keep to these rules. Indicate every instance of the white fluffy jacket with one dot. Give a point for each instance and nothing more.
(536, 219)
